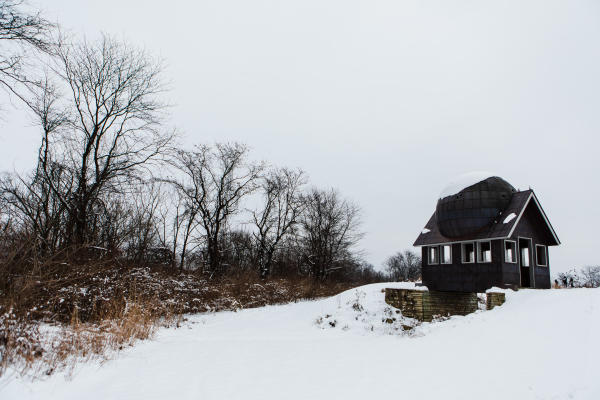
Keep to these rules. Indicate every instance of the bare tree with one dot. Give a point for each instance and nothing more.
(239, 251)
(36, 209)
(30, 198)
(20, 33)
(105, 131)
(404, 266)
(330, 229)
(280, 211)
(585, 277)
(570, 278)
(184, 225)
(141, 234)
(216, 180)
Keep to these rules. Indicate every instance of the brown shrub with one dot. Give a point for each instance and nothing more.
(52, 321)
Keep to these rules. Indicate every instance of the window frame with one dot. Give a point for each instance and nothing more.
(441, 254)
(482, 261)
(436, 248)
(515, 255)
(537, 262)
(462, 251)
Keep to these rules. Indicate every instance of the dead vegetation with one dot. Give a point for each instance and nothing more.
(50, 323)
(34, 349)
(99, 239)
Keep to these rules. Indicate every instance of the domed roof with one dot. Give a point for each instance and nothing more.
(471, 203)
(463, 181)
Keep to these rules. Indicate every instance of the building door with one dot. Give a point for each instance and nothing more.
(525, 262)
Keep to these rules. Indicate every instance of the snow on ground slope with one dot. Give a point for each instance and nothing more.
(542, 344)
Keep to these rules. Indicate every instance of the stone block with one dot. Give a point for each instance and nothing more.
(495, 299)
(426, 305)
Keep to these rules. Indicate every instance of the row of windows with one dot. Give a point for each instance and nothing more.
(435, 251)
(443, 254)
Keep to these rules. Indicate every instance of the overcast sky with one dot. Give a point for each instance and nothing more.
(386, 101)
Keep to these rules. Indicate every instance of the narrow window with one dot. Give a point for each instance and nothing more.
(468, 252)
(540, 255)
(484, 252)
(446, 254)
(434, 255)
(510, 251)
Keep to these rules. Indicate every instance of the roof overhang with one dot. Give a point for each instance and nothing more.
(521, 211)
(539, 206)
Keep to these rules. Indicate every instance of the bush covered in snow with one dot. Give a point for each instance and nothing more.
(55, 320)
(585, 277)
(364, 310)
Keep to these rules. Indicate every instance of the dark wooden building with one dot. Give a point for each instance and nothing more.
(487, 234)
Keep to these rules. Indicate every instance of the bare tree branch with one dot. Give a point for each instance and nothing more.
(330, 229)
(216, 180)
(281, 208)
(22, 33)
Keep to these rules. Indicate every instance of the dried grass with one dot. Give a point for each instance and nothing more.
(33, 349)
(54, 321)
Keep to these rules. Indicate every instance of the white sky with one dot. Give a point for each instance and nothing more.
(384, 100)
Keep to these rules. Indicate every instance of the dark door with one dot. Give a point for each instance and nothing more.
(525, 261)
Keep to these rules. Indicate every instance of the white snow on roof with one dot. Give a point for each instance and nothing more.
(425, 230)
(509, 217)
(464, 181)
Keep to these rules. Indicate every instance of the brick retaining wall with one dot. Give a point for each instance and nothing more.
(425, 305)
(495, 299)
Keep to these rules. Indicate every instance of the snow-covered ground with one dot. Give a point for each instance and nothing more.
(542, 344)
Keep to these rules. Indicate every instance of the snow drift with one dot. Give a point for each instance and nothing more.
(541, 344)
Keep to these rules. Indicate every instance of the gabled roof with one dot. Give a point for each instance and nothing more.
(498, 230)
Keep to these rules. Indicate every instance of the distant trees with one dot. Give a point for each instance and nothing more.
(280, 210)
(97, 140)
(591, 276)
(109, 126)
(585, 277)
(330, 229)
(310, 232)
(216, 180)
(184, 223)
(110, 182)
(404, 266)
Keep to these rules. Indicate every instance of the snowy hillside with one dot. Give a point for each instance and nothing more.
(539, 345)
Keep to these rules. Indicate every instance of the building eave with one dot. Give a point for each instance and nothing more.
(495, 233)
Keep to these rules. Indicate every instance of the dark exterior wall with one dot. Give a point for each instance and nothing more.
(459, 277)
(511, 276)
(478, 277)
(532, 226)
(542, 278)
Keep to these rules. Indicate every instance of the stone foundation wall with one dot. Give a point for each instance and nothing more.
(425, 305)
(409, 301)
(495, 299)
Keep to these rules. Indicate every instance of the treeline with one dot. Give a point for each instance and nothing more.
(111, 182)
(588, 277)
